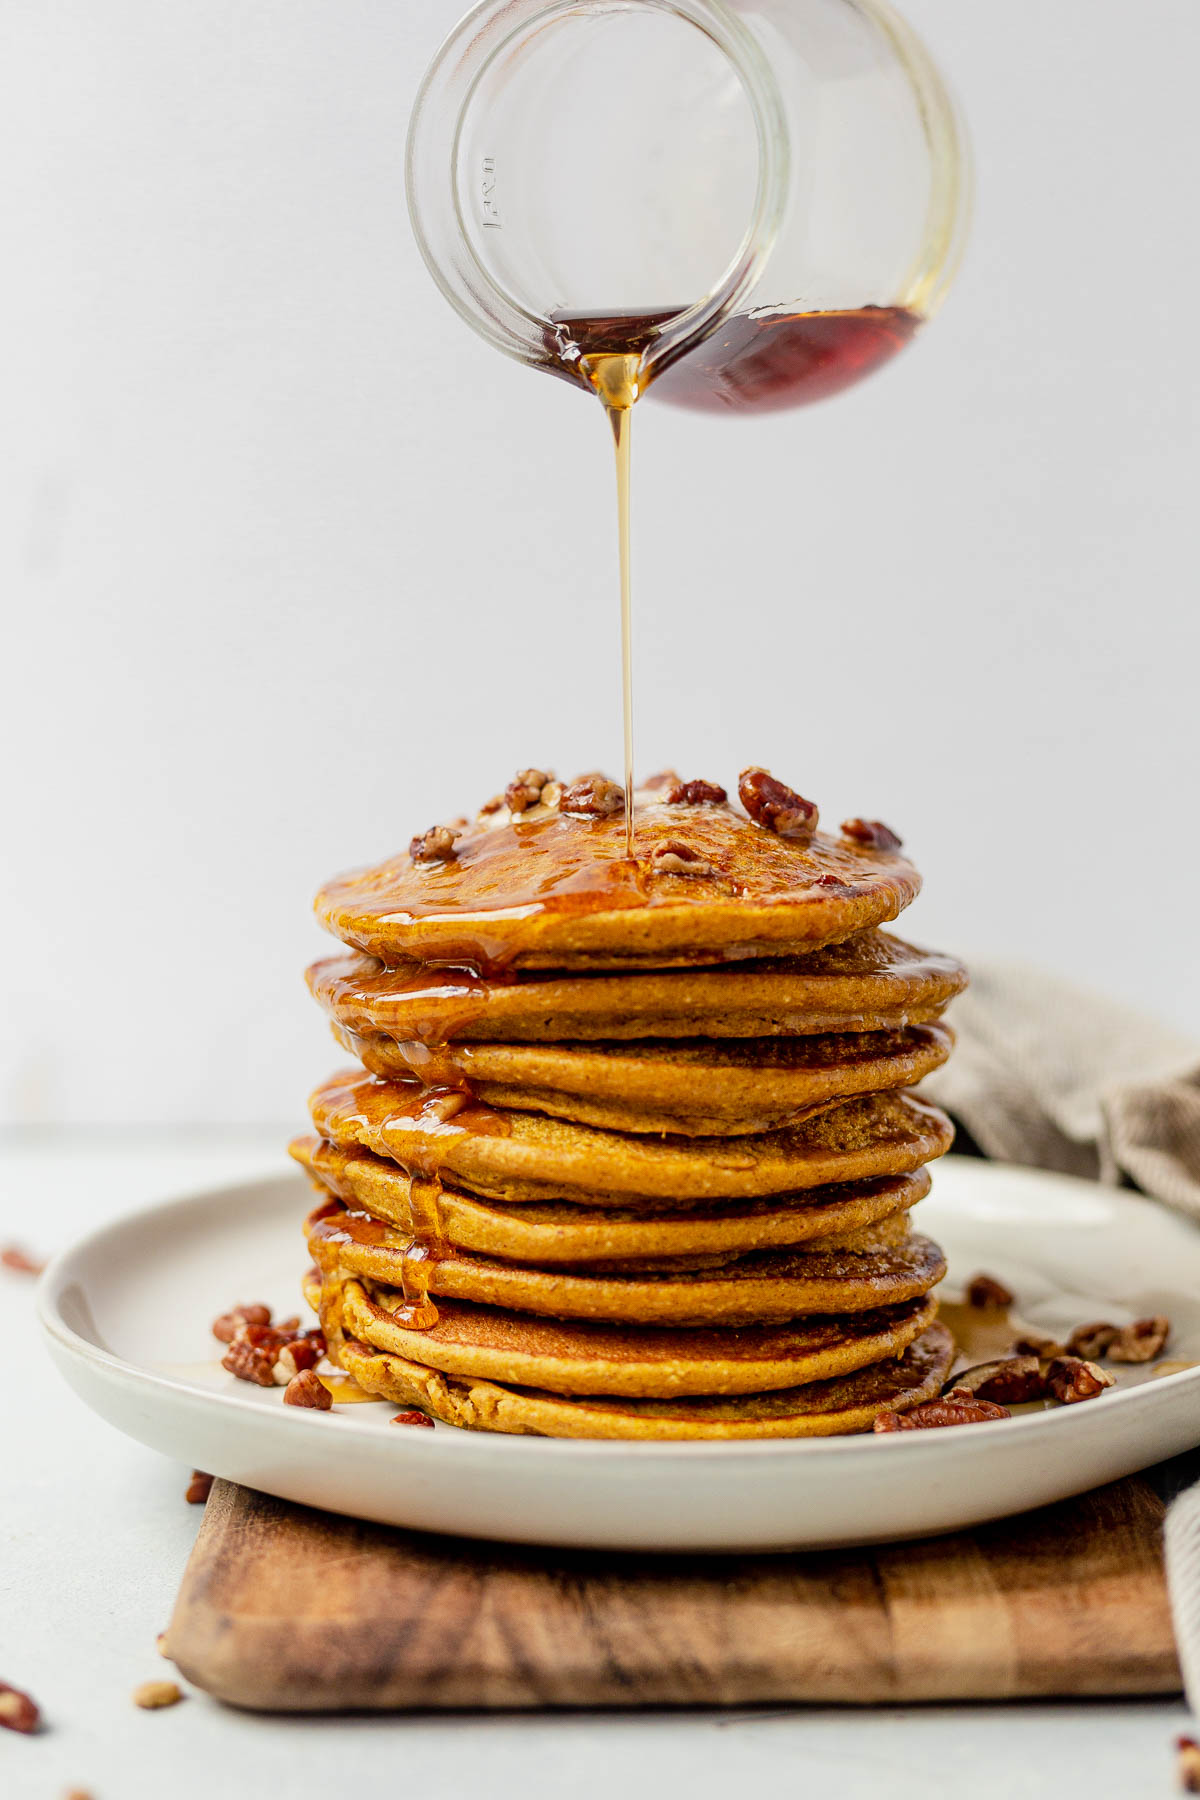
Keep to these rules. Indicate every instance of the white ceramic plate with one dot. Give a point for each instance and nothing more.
(128, 1314)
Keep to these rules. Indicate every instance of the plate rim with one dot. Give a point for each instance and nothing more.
(71, 1343)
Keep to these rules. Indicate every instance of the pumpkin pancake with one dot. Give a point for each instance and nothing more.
(583, 1356)
(848, 1403)
(563, 1232)
(523, 1156)
(548, 889)
(698, 1088)
(762, 1286)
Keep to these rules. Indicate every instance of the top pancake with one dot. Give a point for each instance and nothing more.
(874, 982)
(547, 889)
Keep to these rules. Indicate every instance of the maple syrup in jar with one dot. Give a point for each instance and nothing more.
(754, 362)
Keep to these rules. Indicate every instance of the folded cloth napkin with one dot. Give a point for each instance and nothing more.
(1047, 1074)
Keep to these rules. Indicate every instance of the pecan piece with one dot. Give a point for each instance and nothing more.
(985, 1291)
(525, 789)
(153, 1694)
(18, 1261)
(1044, 1348)
(1071, 1379)
(226, 1328)
(674, 858)
(1140, 1342)
(1187, 1765)
(871, 834)
(1009, 1382)
(959, 1407)
(775, 806)
(17, 1711)
(411, 1418)
(1090, 1341)
(198, 1488)
(593, 796)
(435, 845)
(307, 1389)
(695, 793)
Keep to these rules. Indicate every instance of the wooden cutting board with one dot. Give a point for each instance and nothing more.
(290, 1610)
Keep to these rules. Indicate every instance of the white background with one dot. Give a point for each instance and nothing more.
(296, 565)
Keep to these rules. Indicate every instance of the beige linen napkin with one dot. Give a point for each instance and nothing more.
(1048, 1074)
(1045, 1073)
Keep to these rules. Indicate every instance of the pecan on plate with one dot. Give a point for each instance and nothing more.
(17, 1711)
(1140, 1342)
(411, 1418)
(435, 845)
(985, 1291)
(593, 796)
(269, 1356)
(1071, 1379)
(695, 793)
(1091, 1341)
(871, 834)
(226, 1328)
(307, 1389)
(958, 1407)
(1009, 1382)
(775, 806)
(1044, 1348)
(674, 858)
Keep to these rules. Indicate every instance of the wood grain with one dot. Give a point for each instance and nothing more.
(285, 1609)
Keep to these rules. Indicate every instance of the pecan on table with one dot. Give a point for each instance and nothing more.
(17, 1711)
(153, 1694)
(1187, 1765)
(775, 806)
(198, 1488)
(18, 1261)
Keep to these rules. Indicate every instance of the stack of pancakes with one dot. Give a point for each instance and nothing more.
(631, 1149)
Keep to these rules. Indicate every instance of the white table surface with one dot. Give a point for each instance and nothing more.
(94, 1533)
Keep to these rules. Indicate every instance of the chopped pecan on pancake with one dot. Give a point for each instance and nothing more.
(775, 806)
(695, 793)
(18, 1261)
(307, 1389)
(674, 858)
(435, 845)
(871, 834)
(985, 1291)
(959, 1407)
(411, 1418)
(527, 788)
(1140, 1342)
(1009, 1382)
(198, 1488)
(17, 1711)
(1070, 1379)
(666, 778)
(593, 796)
